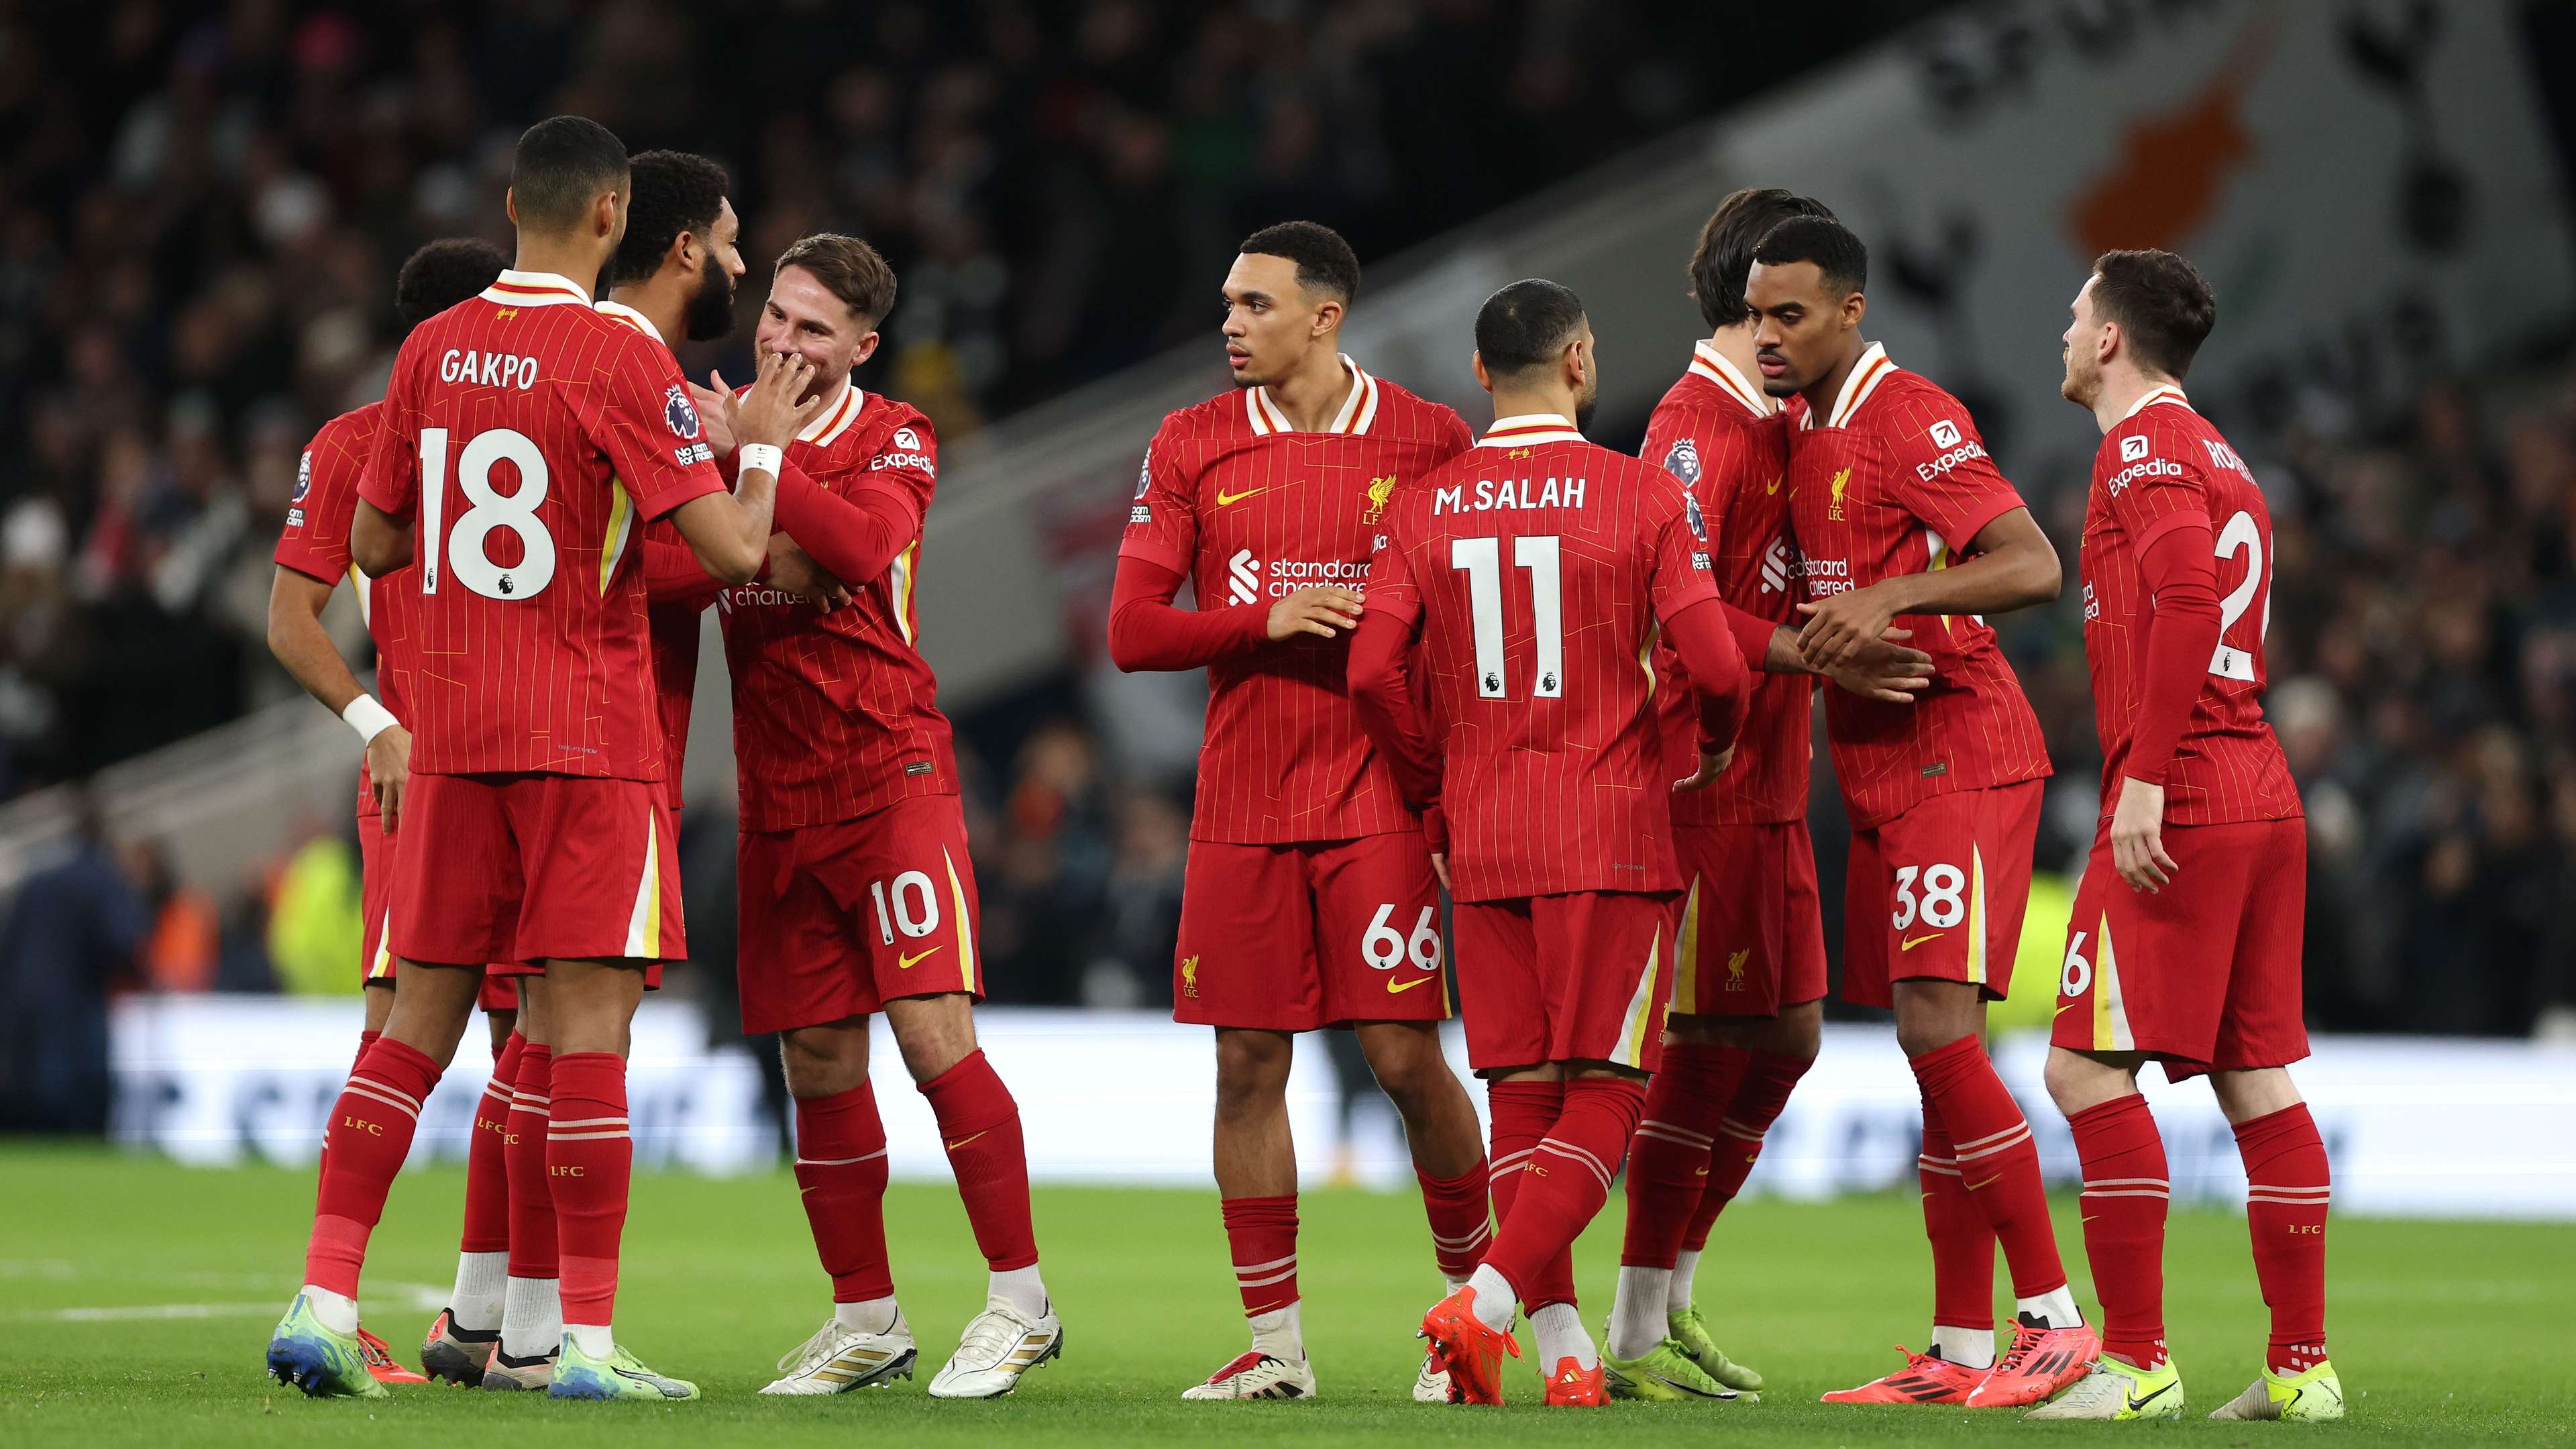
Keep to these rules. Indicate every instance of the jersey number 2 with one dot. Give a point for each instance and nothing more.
(486, 510)
(2240, 536)
(1482, 558)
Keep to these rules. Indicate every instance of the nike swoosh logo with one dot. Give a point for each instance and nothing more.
(1915, 941)
(962, 1141)
(1703, 1172)
(906, 963)
(1771, 487)
(1225, 499)
(1989, 1182)
(1393, 987)
(2137, 1404)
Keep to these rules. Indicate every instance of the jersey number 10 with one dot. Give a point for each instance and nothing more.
(486, 510)
(1482, 558)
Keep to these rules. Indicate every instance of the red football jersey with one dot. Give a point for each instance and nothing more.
(836, 715)
(1718, 434)
(315, 542)
(1894, 481)
(672, 626)
(1252, 511)
(2165, 467)
(534, 654)
(1540, 566)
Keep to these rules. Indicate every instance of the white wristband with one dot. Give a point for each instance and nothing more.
(765, 457)
(368, 717)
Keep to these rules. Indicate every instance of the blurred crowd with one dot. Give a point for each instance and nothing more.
(205, 204)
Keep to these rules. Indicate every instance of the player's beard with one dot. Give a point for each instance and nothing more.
(2079, 387)
(710, 312)
(1586, 403)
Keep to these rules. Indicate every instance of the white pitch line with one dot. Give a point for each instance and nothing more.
(418, 1296)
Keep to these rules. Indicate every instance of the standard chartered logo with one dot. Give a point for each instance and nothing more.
(1245, 586)
(1775, 566)
(1249, 580)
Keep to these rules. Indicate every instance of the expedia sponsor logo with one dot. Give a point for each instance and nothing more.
(1945, 434)
(2133, 447)
(2152, 468)
(1957, 455)
(900, 456)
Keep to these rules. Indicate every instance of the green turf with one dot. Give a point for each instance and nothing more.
(2441, 1330)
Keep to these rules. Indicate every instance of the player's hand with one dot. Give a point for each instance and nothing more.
(2138, 837)
(715, 411)
(793, 569)
(1440, 868)
(1839, 626)
(1886, 669)
(1710, 767)
(1325, 611)
(770, 412)
(389, 770)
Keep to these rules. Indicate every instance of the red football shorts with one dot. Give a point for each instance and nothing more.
(1748, 929)
(1566, 978)
(1296, 937)
(2203, 976)
(376, 852)
(531, 868)
(1937, 893)
(839, 919)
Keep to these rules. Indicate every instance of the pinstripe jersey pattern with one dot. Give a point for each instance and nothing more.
(2162, 468)
(1544, 728)
(1895, 481)
(1252, 511)
(315, 543)
(1717, 433)
(533, 637)
(836, 715)
(673, 627)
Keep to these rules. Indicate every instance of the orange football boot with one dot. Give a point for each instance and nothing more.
(1576, 1387)
(2040, 1362)
(380, 1361)
(1925, 1379)
(1471, 1352)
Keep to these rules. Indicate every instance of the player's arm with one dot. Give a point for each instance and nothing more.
(2012, 566)
(2166, 514)
(296, 636)
(1378, 675)
(1146, 631)
(729, 532)
(388, 488)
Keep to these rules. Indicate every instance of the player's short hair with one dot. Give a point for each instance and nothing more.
(2162, 303)
(561, 163)
(442, 274)
(1833, 247)
(1526, 325)
(848, 268)
(1725, 252)
(1325, 262)
(674, 192)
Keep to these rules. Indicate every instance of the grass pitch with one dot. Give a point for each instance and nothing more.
(136, 1297)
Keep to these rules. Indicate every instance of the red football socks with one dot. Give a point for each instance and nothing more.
(590, 1161)
(532, 1198)
(368, 1137)
(2126, 1192)
(1759, 1100)
(1997, 1160)
(1963, 1244)
(841, 1169)
(1261, 1233)
(979, 1123)
(1566, 1181)
(1668, 1161)
(1524, 1113)
(1461, 1223)
(2286, 1189)
(487, 1168)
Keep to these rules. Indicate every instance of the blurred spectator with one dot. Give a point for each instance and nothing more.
(184, 939)
(69, 938)
(315, 918)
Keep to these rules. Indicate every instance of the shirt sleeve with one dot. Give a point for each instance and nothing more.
(391, 478)
(315, 541)
(2155, 486)
(1147, 633)
(2180, 572)
(1163, 522)
(1940, 472)
(642, 418)
(1381, 687)
(1679, 540)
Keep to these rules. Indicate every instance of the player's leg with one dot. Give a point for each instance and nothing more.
(460, 1341)
(1245, 965)
(841, 1180)
(2126, 1190)
(1448, 1157)
(532, 1301)
(2288, 1184)
(316, 1345)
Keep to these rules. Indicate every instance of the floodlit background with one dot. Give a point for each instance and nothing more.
(205, 204)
